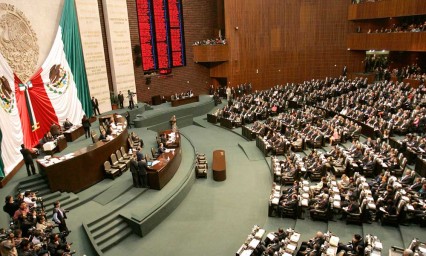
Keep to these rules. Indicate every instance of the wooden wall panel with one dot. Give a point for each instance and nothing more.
(387, 41)
(210, 53)
(287, 41)
(386, 9)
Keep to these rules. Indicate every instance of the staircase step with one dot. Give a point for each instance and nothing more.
(117, 238)
(50, 196)
(30, 179)
(30, 185)
(98, 223)
(117, 224)
(44, 192)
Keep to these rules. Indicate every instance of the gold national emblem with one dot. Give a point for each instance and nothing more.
(18, 41)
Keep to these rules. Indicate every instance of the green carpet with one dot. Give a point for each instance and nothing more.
(251, 151)
(119, 188)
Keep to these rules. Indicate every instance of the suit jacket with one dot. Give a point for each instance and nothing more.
(95, 102)
(120, 97)
(26, 153)
(142, 167)
(59, 214)
(134, 166)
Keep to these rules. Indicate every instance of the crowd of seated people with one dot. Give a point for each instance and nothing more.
(215, 41)
(182, 95)
(280, 242)
(412, 71)
(30, 233)
(259, 105)
(416, 247)
(386, 198)
(404, 27)
(286, 242)
(383, 106)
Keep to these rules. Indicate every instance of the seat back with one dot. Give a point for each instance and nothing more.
(107, 166)
(153, 153)
(123, 152)
(118, 153)
(114, 159)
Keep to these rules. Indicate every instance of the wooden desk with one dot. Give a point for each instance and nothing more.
(219, 165)
(61, 144)
(161, 173)
(86, 168)
(184, 101)
(74, 133)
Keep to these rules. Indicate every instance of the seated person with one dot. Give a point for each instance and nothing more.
(103, 135)
(163, 138)
(353, 207)
(135, 138)
(55, 130)
(48, 137)
(67, 124)
(306, 247)
(355, 247)
(161, 149)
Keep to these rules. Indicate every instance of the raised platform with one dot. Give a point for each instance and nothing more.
(137, 211)
(162, 113)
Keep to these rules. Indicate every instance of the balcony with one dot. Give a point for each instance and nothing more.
(408, 41)
(386, 9)
(211, 53)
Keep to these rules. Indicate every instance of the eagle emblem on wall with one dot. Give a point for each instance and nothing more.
(18, 41)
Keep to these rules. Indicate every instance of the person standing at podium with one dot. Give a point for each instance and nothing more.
(28, 160)
(134, 170)
(142, 173)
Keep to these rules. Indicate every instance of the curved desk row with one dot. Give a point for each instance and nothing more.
(184, 101)
(85, 167)
(168, 164)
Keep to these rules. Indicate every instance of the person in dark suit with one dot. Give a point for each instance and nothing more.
(353, 207)
(28, 160)
(55, 130)
(59, 216)
(317, 240)
(95, 106)
(355, 247)
(161, 149)
(130, 96)
(85, 122)
(134, 169)
(127, 115)
(121, 99)
(67, 124)
(142, 173)
(10, 206)
(103, 135)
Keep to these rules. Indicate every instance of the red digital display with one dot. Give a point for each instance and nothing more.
(145, 34)
(161, 33)
(175, 32)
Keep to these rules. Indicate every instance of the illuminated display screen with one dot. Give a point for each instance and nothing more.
(161, 34)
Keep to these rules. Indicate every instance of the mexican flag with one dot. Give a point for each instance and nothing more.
(59, 89)
(11, 136)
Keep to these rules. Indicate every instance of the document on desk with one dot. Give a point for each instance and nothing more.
(155, 162)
